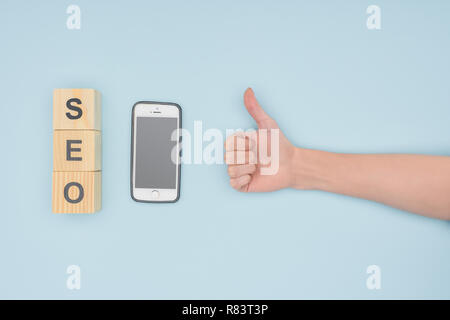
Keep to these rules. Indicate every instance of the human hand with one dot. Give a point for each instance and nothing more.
(248, 167)
(416, 183)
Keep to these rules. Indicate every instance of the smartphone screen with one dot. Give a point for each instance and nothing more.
(154, 166)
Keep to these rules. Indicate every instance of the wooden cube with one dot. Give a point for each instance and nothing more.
(76, 109)
(77, 150)
(76, 192)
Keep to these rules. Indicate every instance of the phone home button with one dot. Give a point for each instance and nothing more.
(155, 194)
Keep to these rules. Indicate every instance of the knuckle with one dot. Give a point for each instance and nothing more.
(228, 142)
(231, 138)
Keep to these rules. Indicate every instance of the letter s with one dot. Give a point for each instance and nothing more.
(74, 108)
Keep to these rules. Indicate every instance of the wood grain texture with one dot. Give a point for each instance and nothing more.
(90, 107)
(91, 183)
(77, 150)
(90, 150)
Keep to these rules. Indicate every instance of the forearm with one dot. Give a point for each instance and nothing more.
(415, 183)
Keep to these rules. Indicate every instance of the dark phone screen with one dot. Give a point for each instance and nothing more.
(154, 166)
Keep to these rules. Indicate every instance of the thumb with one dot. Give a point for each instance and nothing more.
(254, 109)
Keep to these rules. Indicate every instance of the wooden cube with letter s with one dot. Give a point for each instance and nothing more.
(76, 151)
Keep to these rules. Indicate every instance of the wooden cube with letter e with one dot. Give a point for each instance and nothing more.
(77, 149)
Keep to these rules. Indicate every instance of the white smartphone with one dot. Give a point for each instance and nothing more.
(155, 152)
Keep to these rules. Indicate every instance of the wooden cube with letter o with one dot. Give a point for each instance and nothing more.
(77, 192)
(77, 161)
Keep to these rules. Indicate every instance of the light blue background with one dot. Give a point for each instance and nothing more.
(329, 82)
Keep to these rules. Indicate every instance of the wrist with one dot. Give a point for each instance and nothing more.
(311, 169)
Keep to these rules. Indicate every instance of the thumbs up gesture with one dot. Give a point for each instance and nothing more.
(265, 160)
(259, 161)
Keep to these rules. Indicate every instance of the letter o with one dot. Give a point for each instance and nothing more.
(80, 189)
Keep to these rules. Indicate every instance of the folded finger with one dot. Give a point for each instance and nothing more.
(238, 143)
(240, 182)
(241, 170)
(240, 157)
